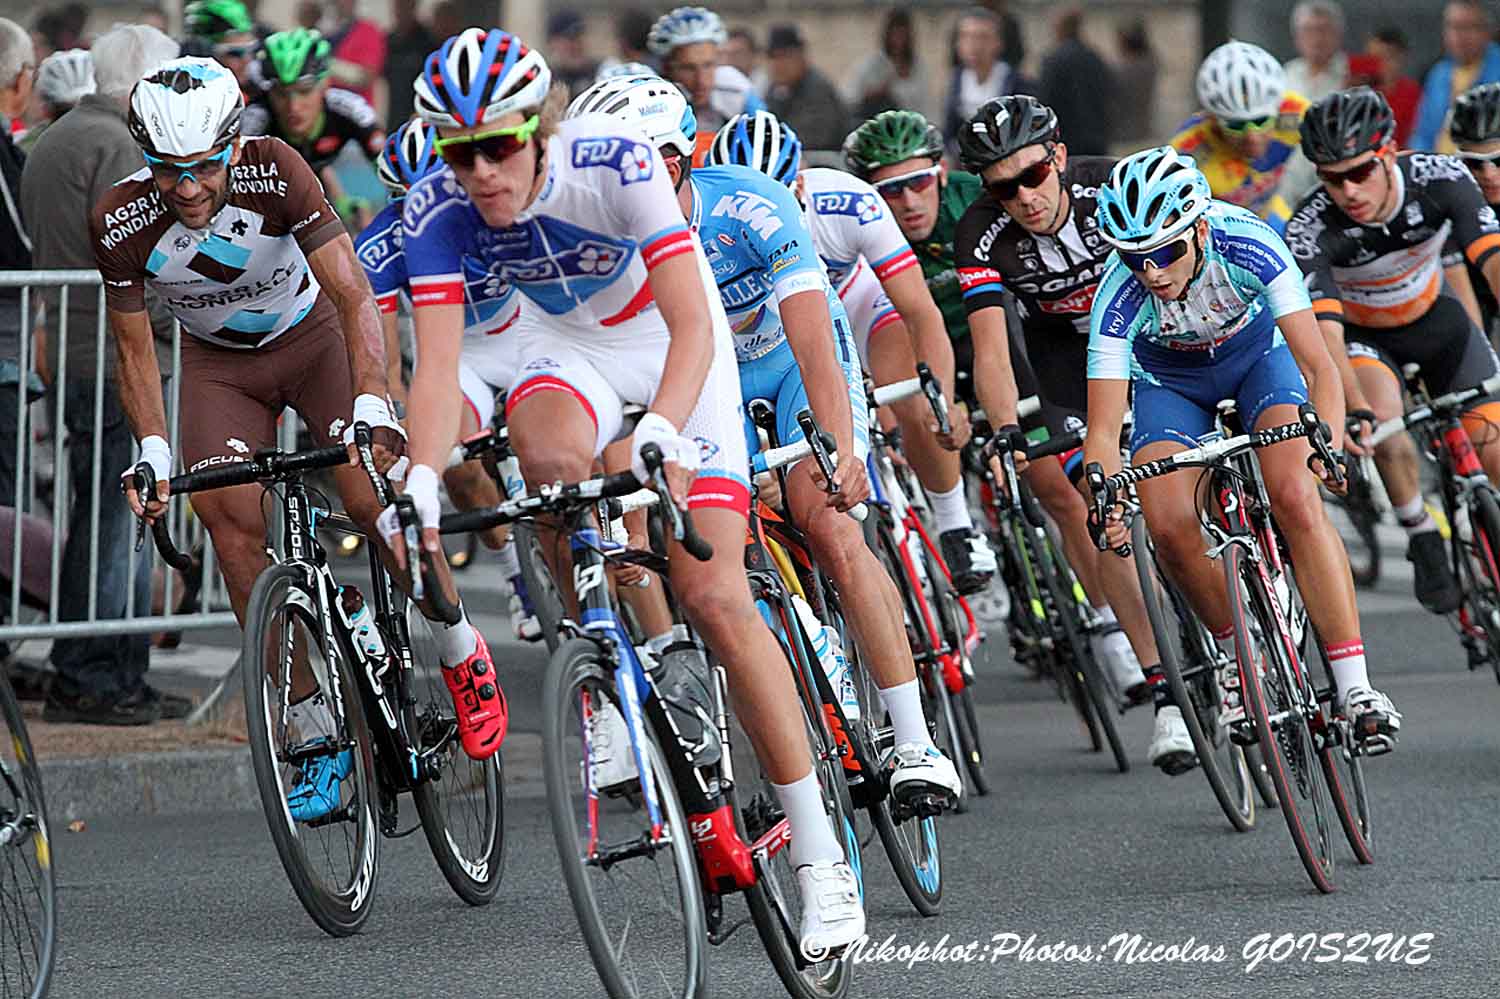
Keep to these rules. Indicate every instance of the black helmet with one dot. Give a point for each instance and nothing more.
(1345, 124)
(1004, 126)
(1476, 115)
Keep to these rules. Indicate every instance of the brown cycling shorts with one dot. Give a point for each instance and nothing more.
(232, 399)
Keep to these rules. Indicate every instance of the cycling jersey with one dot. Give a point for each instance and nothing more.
(1390, 274)
(1053, 277)
(848, 220)
(1253, 184)
(244, 279)
(936, 252)
(347, 117)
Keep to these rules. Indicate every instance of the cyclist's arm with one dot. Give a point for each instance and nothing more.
(138, 376)
(1107, 400)
(994, 378)
(432, 414)
(1325, 379)
(908, 292)
(1333, 340)
(1491, 270)
(677, 285)
(809, 330)
(1457, 276)
(395, 384)
(338, 271)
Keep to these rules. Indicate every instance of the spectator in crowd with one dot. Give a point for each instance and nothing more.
(101, 678)
(1470, 59)
(1383, 66)
(742, 51)
(63, 28)
(154, 17)
(1136, 74)
(982, 74)
(406, 46)
(632, 28)
(566, 55)
(1322, 65)
(1074, 82)
(309, 14)
(226, 32)
(1012, 45)
(61, 79)
(447, 19)
(800, 95)
(892, 76)
(358, 50)
(17, 63)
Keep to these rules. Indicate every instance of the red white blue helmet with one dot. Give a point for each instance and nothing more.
(479, 75)
(760, 141)
(410, 154)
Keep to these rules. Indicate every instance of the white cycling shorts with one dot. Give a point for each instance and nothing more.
(869, 309)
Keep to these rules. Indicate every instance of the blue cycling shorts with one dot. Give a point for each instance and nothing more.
(1178, 399)
(776, 378)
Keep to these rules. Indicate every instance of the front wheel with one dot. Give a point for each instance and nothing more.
(28, 888)
(1087, 677)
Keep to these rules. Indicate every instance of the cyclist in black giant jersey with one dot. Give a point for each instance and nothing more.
(1035, 235)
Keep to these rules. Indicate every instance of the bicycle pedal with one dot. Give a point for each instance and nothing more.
(1242, 734)
(924, 805)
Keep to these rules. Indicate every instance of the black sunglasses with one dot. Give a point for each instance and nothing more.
(1030, 178)
(1354, 175)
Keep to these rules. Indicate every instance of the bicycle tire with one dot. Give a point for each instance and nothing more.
(1296, 779)
(1342, 769)
(1221, 761)
(29, 868)
(1484, 523)
(343, 909)
(1086, 677)
(965, 717)
(546, 599)
(473, 865)
(575, 663)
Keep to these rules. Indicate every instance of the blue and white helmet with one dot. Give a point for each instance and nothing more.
(685, 26)
(619, 69)
(187, 106)
(761, 141)
(410, 154)
(1150, 197)
(646, 101)
(479, 75)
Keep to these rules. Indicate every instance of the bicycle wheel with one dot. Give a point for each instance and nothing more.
(546, 599)
(462, 801)
(1344, 772)
(635, 890)
(1195, 686)
(331, 861)
(28, 888)
(1275, 700)
(1483, 568)
(953, 622)
(1086, 679)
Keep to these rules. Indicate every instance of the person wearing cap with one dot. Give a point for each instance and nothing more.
(800, 95)
(570, 62)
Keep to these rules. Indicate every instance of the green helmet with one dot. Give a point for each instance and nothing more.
(890, 137)
(293, 56)
(213, 19)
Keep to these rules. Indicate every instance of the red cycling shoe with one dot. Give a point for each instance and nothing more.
(479, 702)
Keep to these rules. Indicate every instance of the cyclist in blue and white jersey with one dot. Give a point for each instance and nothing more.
(876, 275)
(579, 217)
(794, 347)
(1203, 301)
(488, 363)
(688, 42)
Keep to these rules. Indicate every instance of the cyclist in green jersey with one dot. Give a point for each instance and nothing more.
(900, 154)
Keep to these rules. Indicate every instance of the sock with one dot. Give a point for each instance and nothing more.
(510, 562)
(1106, 615)
(657, 644)
(311, 717)
(812, 835)
(1161, 691)
(1225, 641)
(455, 642)
(950, 509)
(1414, 518)
(1348, 662)
(903, 703)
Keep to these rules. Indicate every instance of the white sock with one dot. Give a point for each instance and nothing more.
(1414, 518)
(950, 509)
(812, 835)
(311, 717)
(903, 703)
(1225, 642)
(510, 562)
(456, 642)
(1106, 615)
(1347, 660)
(658, 643)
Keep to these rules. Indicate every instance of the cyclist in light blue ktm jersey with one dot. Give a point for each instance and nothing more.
(579, 216)
(488, 361)
(795, 348)
(1202, 301)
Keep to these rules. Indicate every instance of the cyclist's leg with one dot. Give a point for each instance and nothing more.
(469, 485)
(1049, 483)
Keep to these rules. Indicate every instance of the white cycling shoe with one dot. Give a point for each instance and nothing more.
(525, 626)
(611, 760)
(919, 768)
(1375, 719)
(833, 916)
(1171, 746)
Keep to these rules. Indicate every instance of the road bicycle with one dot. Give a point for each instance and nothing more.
(28, 886)
(386, 724)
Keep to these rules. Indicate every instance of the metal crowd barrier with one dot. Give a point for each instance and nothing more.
(32, 611)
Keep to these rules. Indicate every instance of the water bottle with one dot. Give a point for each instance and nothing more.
(830, 653)
(362, 623)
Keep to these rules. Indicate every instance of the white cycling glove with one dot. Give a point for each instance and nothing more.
(654, 428)
(156, 452)
(375, 411)
(422, 487)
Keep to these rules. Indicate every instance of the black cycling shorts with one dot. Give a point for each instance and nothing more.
(1453, 352)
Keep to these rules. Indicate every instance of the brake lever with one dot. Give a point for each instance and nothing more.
(935, 398)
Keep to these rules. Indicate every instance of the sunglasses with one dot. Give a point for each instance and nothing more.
(234, 51)
(1161, 256)
(1478, 161)
(1030, 178)
(1242, 126)
(1355, 175)
(174, 173)
(916, 182)
(495, 145)
(305, 87)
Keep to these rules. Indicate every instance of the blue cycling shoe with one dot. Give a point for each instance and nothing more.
(316, 792)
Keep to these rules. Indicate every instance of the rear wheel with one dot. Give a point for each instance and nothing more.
(1087, 679)
(28, 889)
(546, 598)
(1483, 568)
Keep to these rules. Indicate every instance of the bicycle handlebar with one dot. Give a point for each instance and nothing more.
(1440, 406)
(820, 446)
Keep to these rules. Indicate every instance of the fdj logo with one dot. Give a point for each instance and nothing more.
(756, 212)
(631, 159)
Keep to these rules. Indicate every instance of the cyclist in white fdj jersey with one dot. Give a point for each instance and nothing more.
(1203, 301)
(580, 217)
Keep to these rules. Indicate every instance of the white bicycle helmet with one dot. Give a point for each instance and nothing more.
(620, 69)
(189, 105)
(1239, 81)
(1151, 197)
(685, 26)
(648, 101)
(64, 77)
(479, 75)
